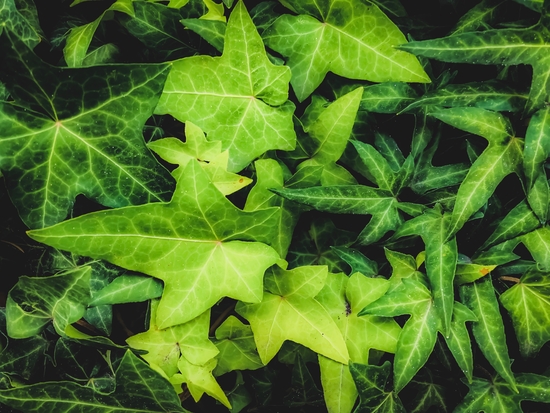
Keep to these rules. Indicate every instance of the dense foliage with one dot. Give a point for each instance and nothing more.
(298, 206)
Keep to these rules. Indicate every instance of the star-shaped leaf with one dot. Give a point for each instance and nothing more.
(199, 244)
(76, 131)
(289, 311)
(511, 46)
(528, 303)
(498, 395)
(239, 98)
(166, 346)
(343, 298)
(35, 301)
(331, 36)
(235, 342)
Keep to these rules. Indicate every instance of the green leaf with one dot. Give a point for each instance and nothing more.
(388, 97)
(528, 303)
(357, 261)
(343, 298)
(501, 46)
(491, 95)
(303, 390)
(331, 37)
(498, 160)
(470, 272)
(373, 388)
(288, 311)
(498, 396)
(538, 244)
(166, 346)
(537, 147)
(459, 341)
(488, 330)
(227, 102)
(17, 22)
(478, 17)
(139, 389)
(35, 301)
(235, 341)
(419, 334)
(76, 131)
(127, 289)
(199, 244)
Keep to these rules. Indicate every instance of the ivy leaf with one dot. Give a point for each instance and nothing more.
(15, 21)
(289, 311)
(372, 384)
(35, 301)
(488, 330)
(538, 244)
(499, 46)
(127, 289)
(226, 98)
(343, 298)
(331, 37)
(498, 395)
(166, 346)
(235, 341)
(419, 334)
(388, 97)
(211, 157)
(76, 131)
(199, 244)
(528, 303)
(499, 159)
(139, 389)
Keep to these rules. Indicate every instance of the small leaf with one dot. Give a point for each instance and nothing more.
(127, 289)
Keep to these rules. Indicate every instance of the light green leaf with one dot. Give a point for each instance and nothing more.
(538, 198)
(213, 31)
(210, 155)
(488, 330)
(373, 387)
(470, 272)
(419, 334)
(139, 390)
(459, 341)
(500, 46)
(343, 298)
(537, 146)
(288, 311)
(127, 289)
(77, 131)
(235, 341)
(166, 346)
(377, 165)
(331, 37)
(497, 395)
(528, 303)
(199, 244)
(227, 96)
(35, 301)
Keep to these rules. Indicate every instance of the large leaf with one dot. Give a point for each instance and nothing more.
(528, 303)
(35, 301)
(239, 98)
(343, 298)
(139, 389)
(500, 46)
(76, 131)
(199, 244)
(289, 311)
(331, 36)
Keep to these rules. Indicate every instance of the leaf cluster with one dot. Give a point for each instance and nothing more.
(334, 206)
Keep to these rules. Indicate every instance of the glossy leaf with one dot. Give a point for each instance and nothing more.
(227, 102)
(139, 389)
(331, 37)
(289, 311)
(497, 395)
(235, 341)
(538, 244)
(459, 341)
(35, 301)
(127, 289)
(488, 330)
(388, 97)
(16, 22)
(196, 244)
(85, 129)
(373, 388)
(528, 303)
(500, 46)
(478, 17)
